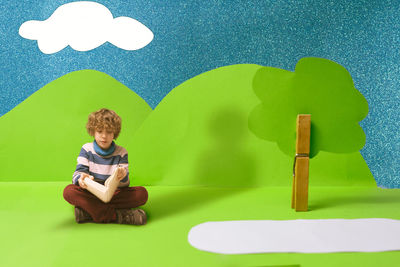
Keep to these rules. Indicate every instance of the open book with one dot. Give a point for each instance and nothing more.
(103, 192)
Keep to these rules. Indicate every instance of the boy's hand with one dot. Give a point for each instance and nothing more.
(121, 173)
(82, 178)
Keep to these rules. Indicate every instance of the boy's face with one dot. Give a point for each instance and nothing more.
(104, 138)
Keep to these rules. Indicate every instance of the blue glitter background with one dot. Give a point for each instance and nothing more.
(194, 36)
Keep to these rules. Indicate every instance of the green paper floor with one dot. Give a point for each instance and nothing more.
(38, 227)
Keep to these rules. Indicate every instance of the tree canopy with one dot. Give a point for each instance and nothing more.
(319, 87)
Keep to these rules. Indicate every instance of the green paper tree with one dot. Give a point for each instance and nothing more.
(319, 87)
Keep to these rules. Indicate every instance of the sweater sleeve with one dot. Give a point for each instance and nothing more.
(124, 163)
(82, 166)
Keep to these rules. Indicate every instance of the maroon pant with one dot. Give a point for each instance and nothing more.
(124, 198)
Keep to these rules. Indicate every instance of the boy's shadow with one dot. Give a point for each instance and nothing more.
(225, 165)
(186, 199)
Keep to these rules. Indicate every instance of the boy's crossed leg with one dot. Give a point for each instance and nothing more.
(123, 198)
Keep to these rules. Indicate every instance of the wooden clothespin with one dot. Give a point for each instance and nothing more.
(301, 163)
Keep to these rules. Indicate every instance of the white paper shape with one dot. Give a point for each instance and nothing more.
(85, 25)
(302, 236)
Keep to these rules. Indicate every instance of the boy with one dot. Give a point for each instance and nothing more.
(97, 161)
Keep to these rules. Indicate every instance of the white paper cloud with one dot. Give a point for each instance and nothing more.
(300, 236)
(84, 26)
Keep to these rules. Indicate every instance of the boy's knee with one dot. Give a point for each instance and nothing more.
(144, 195)
(69, 191)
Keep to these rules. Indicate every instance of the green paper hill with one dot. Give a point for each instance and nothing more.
(40, 139)
(199, 135)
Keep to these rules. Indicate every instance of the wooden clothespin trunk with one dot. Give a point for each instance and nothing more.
(301, 163)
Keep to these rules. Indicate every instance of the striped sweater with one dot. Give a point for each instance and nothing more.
(101, 167)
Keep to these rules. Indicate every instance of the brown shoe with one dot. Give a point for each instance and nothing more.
(82, 216)
(129, 216)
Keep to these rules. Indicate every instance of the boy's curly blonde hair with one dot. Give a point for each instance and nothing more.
(104, 119)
